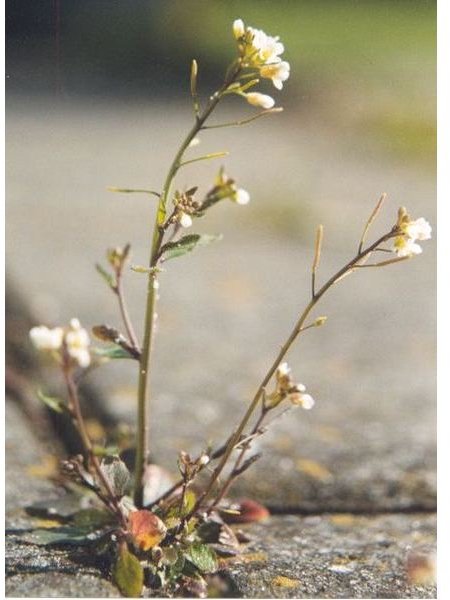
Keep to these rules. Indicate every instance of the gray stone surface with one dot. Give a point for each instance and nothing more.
(324, 556)
(35, 571)
(369, 444)
(336, 556)
(59, 585)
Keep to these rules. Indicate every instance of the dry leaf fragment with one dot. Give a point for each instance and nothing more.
(147, 530)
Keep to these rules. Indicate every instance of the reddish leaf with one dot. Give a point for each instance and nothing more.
(146, 529)
(249, 512)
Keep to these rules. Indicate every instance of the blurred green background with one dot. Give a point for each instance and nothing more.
(372, 62)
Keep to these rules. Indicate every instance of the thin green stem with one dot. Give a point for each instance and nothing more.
(238, 462)
(124, 313)
(270, 111)
(205, 157)
(158, 236)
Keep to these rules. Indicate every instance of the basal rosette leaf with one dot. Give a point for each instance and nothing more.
(128, 574)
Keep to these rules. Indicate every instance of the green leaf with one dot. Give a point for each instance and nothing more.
(55, 404)
(186, 244)
(203, 557)
(112, 352)
(128, 574)
(63, 536)
(178, 511)
(110, 280)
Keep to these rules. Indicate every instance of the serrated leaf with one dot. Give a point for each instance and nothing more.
(203, 557)
(186, 244)
(128, 574)
(55, 404)
(110, 280)
(63, 536)
(116, 473)
(112, 352)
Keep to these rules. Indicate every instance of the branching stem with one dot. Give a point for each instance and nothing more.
(347, 268)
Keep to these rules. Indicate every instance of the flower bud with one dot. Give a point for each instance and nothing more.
(44, 338)
(184, 219)
(241, 196)
(260, 100)
(238, 28)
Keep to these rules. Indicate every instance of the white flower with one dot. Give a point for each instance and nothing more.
(411, 231)
(304, 400)
(184, 219)
(283, 370)
(238, 28)
(77, 342)
(256, 47)
(44, 338)
(277, 72)
(260, 100)
(241, 196)
(404, 246)
(418, 230)
(264, 49)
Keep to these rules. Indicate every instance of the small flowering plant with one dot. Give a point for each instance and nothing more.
(173, 538)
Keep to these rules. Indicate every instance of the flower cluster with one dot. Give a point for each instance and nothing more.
(260, 51)
(185, 208)
(72, 342)
(405, 244)
(286, 389)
